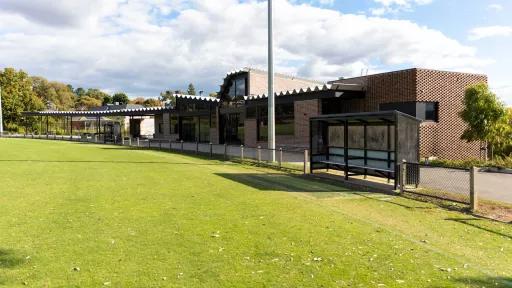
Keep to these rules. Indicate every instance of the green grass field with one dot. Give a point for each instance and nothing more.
(83, 215)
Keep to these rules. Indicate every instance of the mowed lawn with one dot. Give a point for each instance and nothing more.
(83, 215)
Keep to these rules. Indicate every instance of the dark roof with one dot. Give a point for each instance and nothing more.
(116, 107)
(143, 111)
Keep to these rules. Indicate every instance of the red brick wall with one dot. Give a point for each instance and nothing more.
(440, 139)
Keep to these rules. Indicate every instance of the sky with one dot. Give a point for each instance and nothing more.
(143, 47)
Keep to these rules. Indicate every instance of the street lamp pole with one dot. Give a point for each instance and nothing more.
(271, 103)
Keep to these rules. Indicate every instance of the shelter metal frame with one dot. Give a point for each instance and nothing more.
(399, 139)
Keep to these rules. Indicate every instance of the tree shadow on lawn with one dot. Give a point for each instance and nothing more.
(9, 260)
(474, 222)
(288, 183)
(482, 282)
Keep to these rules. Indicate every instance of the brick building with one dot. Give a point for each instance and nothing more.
(239, 114)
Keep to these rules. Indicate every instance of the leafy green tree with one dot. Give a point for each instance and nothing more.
(168, 97)
(191, 89)
(137, 101)
(120, 98)
(17, 96)
(214, 94)
(152, 102)
(106, 100)
(483, 113)
(80, 91)
(55, 93)
(87, 102)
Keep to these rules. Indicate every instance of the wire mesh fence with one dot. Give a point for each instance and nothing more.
(438, 182)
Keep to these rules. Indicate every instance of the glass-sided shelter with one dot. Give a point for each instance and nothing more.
(364, 143)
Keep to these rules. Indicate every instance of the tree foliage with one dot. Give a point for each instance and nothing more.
(485, 116)
(55, 95)
(191, 90)
(168, 97)
(152, 102)
(120, 98)
(17, 96)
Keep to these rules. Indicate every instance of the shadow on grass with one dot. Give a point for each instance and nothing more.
(284, 182)
(474, 222)
(393, 202)
(482, 282)
(8, 259)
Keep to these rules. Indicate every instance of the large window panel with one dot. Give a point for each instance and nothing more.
(285, 124)
(262, 123)
(426, 111)
(204, 129)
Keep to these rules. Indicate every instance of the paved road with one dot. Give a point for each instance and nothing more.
(490, 186)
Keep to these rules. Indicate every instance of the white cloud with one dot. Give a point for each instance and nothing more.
(395, 6)
(495, 7)
(137, 47)
(490, 31)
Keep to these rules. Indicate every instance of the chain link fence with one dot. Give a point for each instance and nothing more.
(437, 182)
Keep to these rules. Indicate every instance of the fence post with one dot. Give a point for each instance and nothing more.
(306, 161)
(170, 145)
(473, 195)
(197, 147)
(122, 141)
(403, 176)
(130, 141)
(182, 146)
(211, 150)
(225, 151)
(259, 153)
(160, 144)
(242, 152)
(280, 158)
(138, 142)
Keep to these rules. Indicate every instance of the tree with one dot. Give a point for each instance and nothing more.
(120, 98)
(168, 97)
(483, 113)
(56, 94)
(91, 98)
(214, 94)
(138, 101)
(152, 102)
(17, 96)
(106, 100)
(191, 89)
(79, 92)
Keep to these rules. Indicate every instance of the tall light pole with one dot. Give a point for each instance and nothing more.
(1, 118)
(271, 103)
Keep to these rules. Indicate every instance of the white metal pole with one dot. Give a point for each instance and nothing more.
(1, 118)
(271, 103)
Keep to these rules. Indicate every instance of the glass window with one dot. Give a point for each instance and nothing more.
(240, 87)
(431, 111)
(188, 132)
(336, 136)
(204, 129)
(174, 124)
(262, 123)
(426, 111)
(284, 119)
